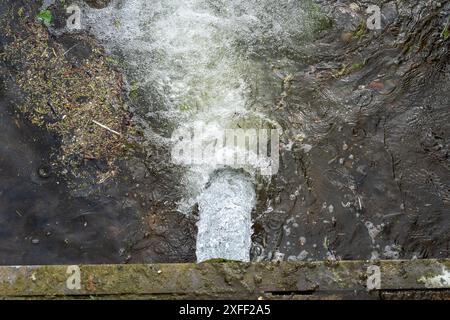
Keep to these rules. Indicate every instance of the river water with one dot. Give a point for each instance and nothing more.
(362, 128)
(201, 61)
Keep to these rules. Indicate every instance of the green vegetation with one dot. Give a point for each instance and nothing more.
(45, 16)
(446, 32)
(184, 107)
(346, 69)
(357, 66)
(361, 30)
(319, 19)
(134, 91)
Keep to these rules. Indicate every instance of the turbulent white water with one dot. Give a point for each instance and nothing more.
(194, 57)
(224, 229)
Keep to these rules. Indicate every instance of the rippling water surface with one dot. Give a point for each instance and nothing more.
(201, 64)
(363, 121)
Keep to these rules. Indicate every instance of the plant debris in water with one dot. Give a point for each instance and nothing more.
(80, 102)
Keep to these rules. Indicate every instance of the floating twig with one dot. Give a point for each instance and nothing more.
(67, 51)
(105, 127)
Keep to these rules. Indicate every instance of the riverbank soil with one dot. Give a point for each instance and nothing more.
(364, 164)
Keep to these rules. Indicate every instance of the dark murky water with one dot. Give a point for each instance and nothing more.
(364, 170)
(43, 220)
(40, 222)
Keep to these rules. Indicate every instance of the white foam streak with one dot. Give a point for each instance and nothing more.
(187, 53)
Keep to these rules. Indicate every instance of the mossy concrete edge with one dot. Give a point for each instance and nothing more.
(224, 279)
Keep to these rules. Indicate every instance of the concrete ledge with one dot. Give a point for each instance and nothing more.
(300, 280)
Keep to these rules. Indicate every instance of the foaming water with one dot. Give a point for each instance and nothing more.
(224, 228)
(201, 64)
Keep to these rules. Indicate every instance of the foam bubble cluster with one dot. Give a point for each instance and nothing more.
(203, 62)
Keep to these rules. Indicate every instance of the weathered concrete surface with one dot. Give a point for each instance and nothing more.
(294, 280)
